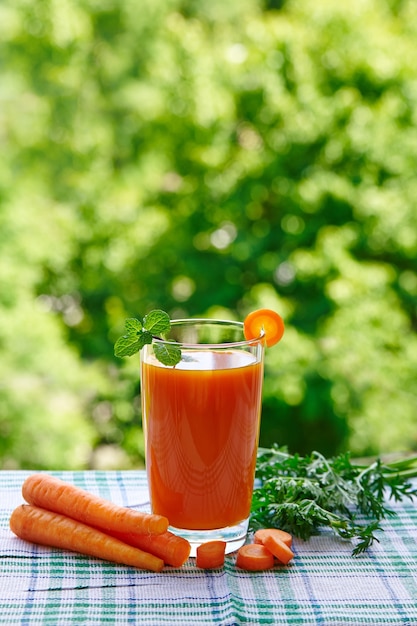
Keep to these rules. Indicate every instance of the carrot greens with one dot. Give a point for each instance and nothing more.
(304, 494)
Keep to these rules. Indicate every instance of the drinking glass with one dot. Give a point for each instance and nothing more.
(201, 422)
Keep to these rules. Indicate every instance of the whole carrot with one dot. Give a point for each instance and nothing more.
(47, 528)
(53, 494)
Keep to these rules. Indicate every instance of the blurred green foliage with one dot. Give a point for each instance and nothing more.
(207, 158)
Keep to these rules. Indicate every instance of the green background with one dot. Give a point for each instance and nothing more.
(207, 158)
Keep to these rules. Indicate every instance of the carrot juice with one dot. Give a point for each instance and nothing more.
(201, 423)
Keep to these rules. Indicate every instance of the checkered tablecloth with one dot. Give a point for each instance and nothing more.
(323, 585)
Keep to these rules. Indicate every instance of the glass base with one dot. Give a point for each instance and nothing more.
(234, 536)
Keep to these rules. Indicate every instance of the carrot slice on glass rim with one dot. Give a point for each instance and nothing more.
(264, 322)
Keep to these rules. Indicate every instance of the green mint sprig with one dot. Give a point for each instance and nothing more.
(141, 332)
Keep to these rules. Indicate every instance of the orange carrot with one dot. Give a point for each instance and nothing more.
(279, 549)
(44, 527)
(266, 322)
(261, 533)
(172, 549)
(210, 554)
(254, 557)
(53, 494)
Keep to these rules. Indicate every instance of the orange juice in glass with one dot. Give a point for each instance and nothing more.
(201, 422)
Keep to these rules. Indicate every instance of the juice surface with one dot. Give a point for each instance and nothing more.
(201, 422)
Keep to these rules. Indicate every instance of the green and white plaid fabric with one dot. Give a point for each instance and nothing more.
(323, 585)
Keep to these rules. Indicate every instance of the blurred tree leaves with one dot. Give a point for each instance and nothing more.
(207, 158)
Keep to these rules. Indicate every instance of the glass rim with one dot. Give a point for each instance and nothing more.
(205, 321)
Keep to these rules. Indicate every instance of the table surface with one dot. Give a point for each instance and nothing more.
(323, 584)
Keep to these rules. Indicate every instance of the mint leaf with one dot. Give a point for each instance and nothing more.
(167, 353)
(139, 333)
(134, 339)
(132, 343)
(157, 322)
(126, 346)
(146, 337)
(133, 325)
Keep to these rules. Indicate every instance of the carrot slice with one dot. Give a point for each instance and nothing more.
(264, 321)
(53, 494)
(37, 525)
(172, 549)
(261, 533)
(254, 557)
(211, 554)
(278, 548)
